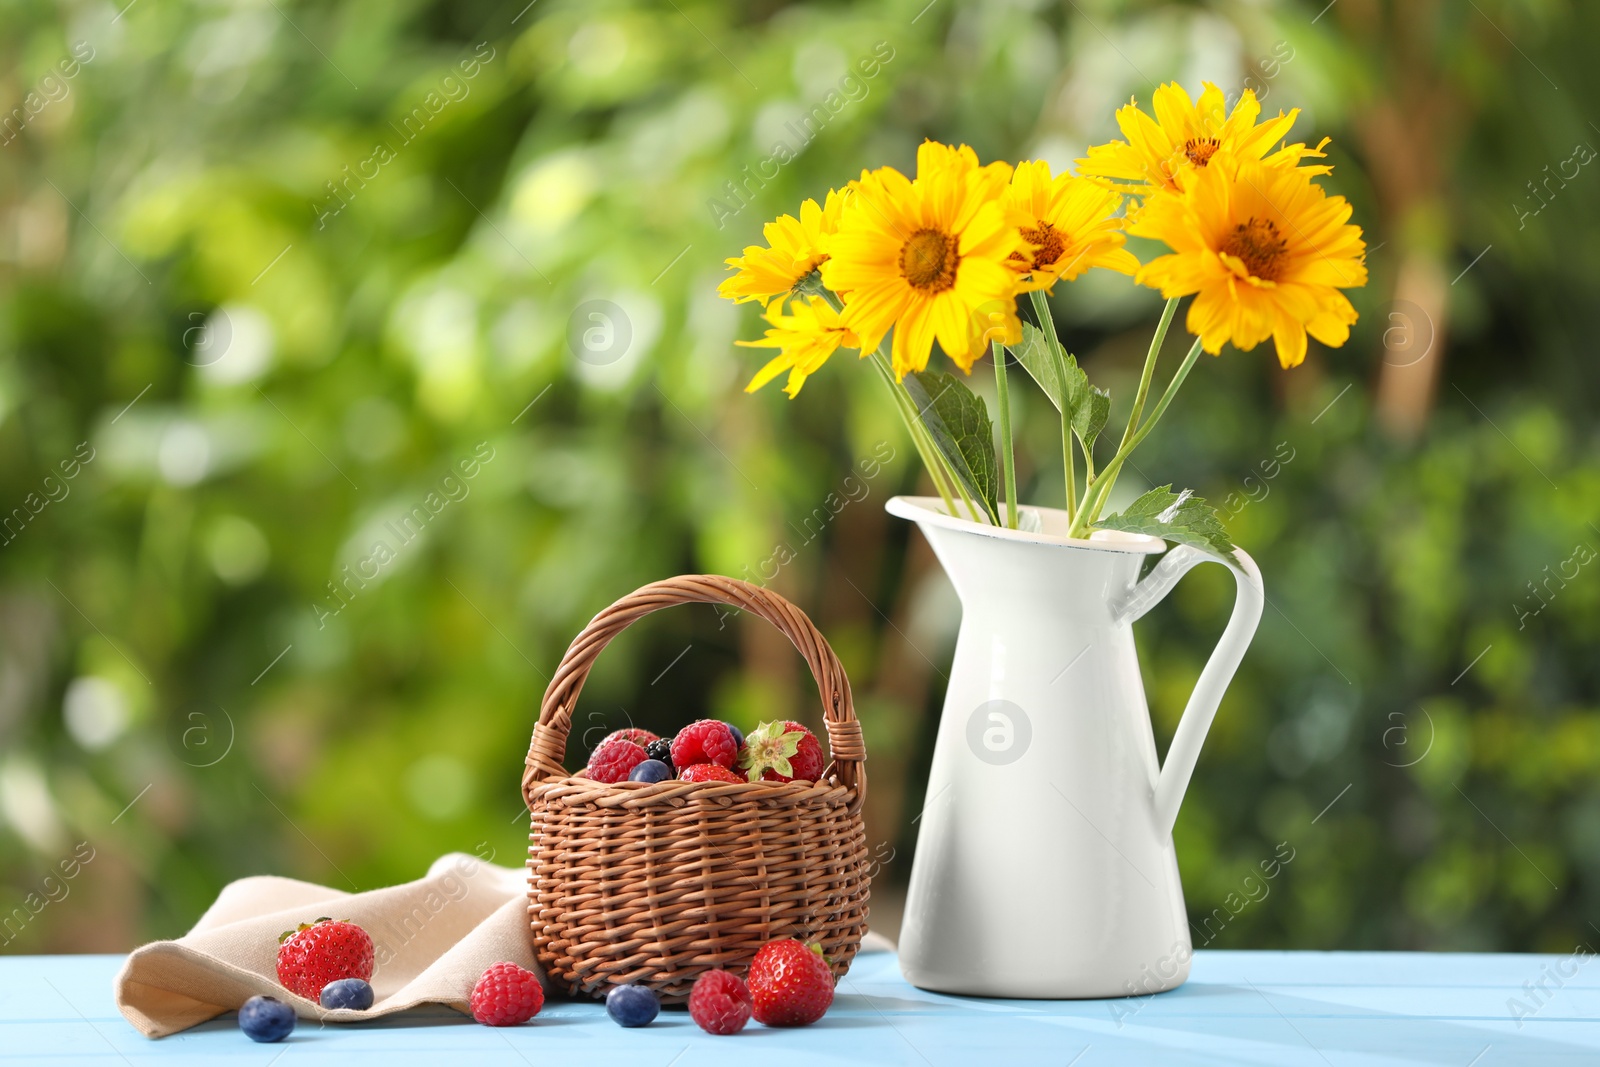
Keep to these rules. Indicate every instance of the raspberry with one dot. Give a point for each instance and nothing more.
(790, 984)
(719, 1002)
(708, 772)
(612, 760)
(631, 733)
(506, 995)
(706, 741)
(782, 752)
(321, 952)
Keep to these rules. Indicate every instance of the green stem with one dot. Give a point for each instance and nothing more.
(931, 459)
(974, 511)
(1137, 410)
(1094, 500)
(938, 467)
(1149, 370)
(1047, 322)
(1008, 460)
(1066, 462)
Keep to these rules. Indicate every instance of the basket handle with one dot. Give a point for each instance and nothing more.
(845, 744)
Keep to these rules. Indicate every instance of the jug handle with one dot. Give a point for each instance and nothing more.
(1219, 670)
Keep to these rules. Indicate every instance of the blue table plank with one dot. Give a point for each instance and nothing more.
(1282, 1009)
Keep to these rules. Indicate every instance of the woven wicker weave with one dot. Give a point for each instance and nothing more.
(653, 884)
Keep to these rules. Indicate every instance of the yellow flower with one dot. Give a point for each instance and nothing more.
(1183, 137)
(1266, 252)
(928, 258)
(795, 248)
(1068, 222)
(804, 340)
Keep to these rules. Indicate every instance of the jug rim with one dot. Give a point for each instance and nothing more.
(930, 510)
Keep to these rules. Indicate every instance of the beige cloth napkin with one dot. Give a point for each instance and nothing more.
(433, 939)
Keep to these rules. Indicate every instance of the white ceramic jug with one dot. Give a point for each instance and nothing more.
(1044, 863)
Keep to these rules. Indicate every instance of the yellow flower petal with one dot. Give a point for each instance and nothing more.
(927, 258)
(1185, 136)
(795, 247)
(1264, 251)
(1069, 223)
(804, 338)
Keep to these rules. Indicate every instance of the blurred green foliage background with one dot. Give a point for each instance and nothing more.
(275, 277)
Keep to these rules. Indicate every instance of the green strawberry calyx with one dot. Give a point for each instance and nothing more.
(770, 746)
(303, 927)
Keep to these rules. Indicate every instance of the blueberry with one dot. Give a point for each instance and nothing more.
(347, 993)
(651, 770)
(738, 735)
(632, 1005)
(266, 1019)
(660, 750)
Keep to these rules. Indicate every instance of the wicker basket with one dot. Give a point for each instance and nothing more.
(653, 884)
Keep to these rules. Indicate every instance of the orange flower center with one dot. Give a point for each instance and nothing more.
(1200, 149)
(929, 260)
(1258, 245)
(1051, 245)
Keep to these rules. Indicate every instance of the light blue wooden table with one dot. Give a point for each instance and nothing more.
(1277, 1008)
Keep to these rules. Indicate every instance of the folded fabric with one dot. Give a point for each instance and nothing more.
(432, 938)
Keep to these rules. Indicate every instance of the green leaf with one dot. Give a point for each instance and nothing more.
(1085, 407)
(772, 746)
(1043, 365)
(1090, 412)
(959, 424)
(1181, 517)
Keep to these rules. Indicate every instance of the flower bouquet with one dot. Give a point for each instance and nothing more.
(889, 265)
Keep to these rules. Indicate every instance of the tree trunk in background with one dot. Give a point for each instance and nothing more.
(1409, 135)
(1413, 346)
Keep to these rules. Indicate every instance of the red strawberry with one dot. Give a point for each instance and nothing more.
(705, 741)
(719, 1002)
(708, 772)
(782, 752)
(322, 952)
(612, 760)
(790, 984)
(631, 733)
(506, 995)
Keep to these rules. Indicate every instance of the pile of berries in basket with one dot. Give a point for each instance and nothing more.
(789, 984)
(708, 751)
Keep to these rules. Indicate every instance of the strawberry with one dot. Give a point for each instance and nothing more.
(321, 952)
(781, 752)
(708, 772)
(790, 983)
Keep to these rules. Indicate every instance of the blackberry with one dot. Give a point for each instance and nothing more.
(661, 750)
